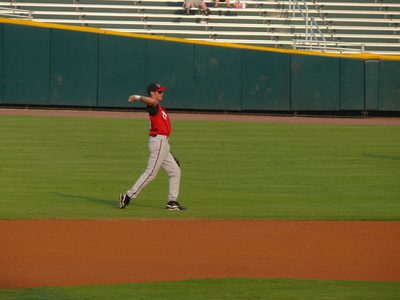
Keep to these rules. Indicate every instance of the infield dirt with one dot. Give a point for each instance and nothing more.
(64, 252)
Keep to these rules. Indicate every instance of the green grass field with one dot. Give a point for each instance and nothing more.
(223, 289)
(74, 168)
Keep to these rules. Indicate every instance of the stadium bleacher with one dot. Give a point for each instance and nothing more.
(339, 25)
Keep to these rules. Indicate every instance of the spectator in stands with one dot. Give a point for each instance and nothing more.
(227, 2)
(188, 4)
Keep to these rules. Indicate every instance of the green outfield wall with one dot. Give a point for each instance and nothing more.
(57, 65)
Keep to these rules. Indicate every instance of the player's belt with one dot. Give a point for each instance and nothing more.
(160, 135)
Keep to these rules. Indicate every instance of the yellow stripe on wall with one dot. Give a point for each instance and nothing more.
(365, 56)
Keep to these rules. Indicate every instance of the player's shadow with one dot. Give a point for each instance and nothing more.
(100, 201)
(384, 157)
(105, 202)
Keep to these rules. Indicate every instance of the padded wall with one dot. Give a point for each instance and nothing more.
(62, 67)
(73, 68)
(389, 86)
(315, 83)
(25, 69)
(217, 78)
(172, 64)
(1, 62)
(266, 81)
(121, 69)
(372, 78)
(352, 84)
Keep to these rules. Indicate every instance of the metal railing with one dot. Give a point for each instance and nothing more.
(310, 35)
(341, 47)
(312, 42)
(15, 13)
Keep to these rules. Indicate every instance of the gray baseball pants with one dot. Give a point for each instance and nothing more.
(160, 157)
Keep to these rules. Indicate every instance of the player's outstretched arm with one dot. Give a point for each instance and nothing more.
(146, 100)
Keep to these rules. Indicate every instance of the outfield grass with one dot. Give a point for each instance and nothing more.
(218, 289)
(74, 168)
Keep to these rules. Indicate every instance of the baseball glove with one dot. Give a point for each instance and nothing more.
(177, 160)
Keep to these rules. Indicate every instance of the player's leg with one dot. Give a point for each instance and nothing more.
(173, 170)
(158, 148)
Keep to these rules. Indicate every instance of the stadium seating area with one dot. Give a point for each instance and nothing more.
(336, 25)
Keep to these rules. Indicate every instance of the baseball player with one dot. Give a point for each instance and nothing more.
(160, 155)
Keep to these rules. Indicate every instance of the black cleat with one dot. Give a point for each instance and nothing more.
(124, 200)
(174, 205)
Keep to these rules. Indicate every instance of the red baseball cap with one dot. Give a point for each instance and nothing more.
(155, 87)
